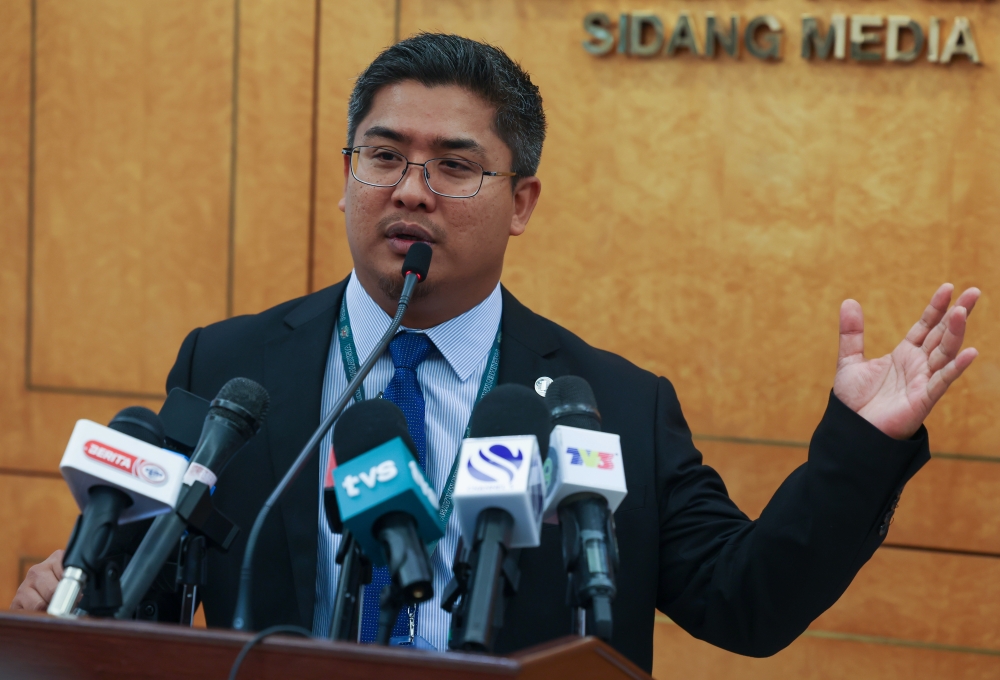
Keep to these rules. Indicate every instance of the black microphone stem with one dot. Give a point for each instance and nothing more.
(241, 615)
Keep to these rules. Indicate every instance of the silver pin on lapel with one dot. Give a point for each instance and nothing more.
(542, 385)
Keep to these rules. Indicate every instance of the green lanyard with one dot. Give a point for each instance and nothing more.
(349, 355)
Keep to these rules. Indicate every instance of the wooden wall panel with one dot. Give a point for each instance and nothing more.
(742, 201)
(132, 167)
(950, 504)
(36, 517)
(274, 152)
(681, 657)
(924, 597)
(353, 33)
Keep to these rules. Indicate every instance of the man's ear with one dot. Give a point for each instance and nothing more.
(342, 204)
(526, 195)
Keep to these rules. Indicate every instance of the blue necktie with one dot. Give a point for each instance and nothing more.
(407, 350)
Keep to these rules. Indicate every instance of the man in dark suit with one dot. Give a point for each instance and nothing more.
(436, 125)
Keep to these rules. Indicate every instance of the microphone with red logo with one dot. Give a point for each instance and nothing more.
(117, 474)
(585, 483)
(236, 414)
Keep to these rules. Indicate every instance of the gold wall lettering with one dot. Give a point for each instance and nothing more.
(872, 37)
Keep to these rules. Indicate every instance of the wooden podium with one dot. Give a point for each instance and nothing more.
(36, 646)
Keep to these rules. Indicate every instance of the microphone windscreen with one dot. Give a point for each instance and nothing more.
(418, 260)
(369, 424)
(511, 410)
(572, 403)
(139, 423)
(242, 402)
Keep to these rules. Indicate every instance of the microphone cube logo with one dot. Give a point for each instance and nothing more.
(150, 473)
(496, 464)
(383, 472)
(591, 459)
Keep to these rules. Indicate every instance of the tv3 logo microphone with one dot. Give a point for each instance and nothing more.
(591, 459)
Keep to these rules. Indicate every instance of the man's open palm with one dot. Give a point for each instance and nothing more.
(896, 392)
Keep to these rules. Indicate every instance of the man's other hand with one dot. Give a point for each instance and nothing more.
(40, 584)
(895, 393)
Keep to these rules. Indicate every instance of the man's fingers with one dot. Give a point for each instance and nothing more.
(852, 333)
(951, 341)
(968, 300)
(940, 381)
(932, 314)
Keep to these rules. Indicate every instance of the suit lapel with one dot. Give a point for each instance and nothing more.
(527, 342)
(295, 365)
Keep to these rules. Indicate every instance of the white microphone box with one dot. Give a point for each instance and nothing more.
(583, 461)
(97, 455)
(504, 473)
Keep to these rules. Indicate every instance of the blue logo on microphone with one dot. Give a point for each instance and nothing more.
(498, 464)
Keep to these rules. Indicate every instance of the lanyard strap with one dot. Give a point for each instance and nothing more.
(349, 356)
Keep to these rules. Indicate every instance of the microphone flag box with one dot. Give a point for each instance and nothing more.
(504, 473)
(385, 479)
(99, 456)
(583, 461)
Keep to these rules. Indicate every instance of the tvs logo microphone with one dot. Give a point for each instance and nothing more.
(591, 459)
(151, 473)
(497, 464)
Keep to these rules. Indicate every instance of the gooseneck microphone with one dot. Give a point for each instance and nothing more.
(236, 414)
(387, 508)
(85, 560)
(585, 478)
(499, 494)
(415, 267)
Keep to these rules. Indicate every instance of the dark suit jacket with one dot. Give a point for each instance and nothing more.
(747, 586)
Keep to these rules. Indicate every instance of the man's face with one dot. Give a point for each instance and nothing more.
(468, 235)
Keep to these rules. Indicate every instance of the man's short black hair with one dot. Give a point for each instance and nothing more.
(439, 59)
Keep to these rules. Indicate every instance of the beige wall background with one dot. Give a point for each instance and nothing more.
(164, 165)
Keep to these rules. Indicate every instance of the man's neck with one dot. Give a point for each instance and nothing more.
(434, 309)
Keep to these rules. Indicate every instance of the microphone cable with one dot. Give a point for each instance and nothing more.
(415, 266)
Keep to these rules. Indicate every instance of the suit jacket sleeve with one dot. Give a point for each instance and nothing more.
(752, 587)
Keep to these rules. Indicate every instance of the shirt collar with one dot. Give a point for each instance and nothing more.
(463, 340)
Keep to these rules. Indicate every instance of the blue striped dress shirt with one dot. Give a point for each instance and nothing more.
(449, 380)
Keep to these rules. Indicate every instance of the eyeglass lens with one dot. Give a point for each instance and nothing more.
(447, 176)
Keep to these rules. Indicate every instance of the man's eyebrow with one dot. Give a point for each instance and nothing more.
(386, 133)
(459, 144)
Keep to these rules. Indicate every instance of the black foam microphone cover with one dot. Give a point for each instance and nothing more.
(572, 403)
(243, 403)
(510, 410)
(418, 260)
(369, 424)
(139, 423)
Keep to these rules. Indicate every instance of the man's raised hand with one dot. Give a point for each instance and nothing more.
(895, 393)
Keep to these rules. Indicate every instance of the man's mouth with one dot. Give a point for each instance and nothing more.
(401, 236)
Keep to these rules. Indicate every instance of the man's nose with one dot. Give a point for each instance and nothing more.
(412, 192)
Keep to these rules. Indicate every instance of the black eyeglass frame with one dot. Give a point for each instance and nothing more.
(350, 151)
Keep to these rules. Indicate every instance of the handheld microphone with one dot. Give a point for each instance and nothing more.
(586, 484)
(415, 267)
(385, 503)
(235, 415)
(498, 499)
(117, 474)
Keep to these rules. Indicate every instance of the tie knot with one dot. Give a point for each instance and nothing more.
(409, 349)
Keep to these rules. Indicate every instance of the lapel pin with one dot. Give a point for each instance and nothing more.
(542, 385)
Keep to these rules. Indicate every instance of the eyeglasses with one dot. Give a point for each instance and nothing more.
(449, 177)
